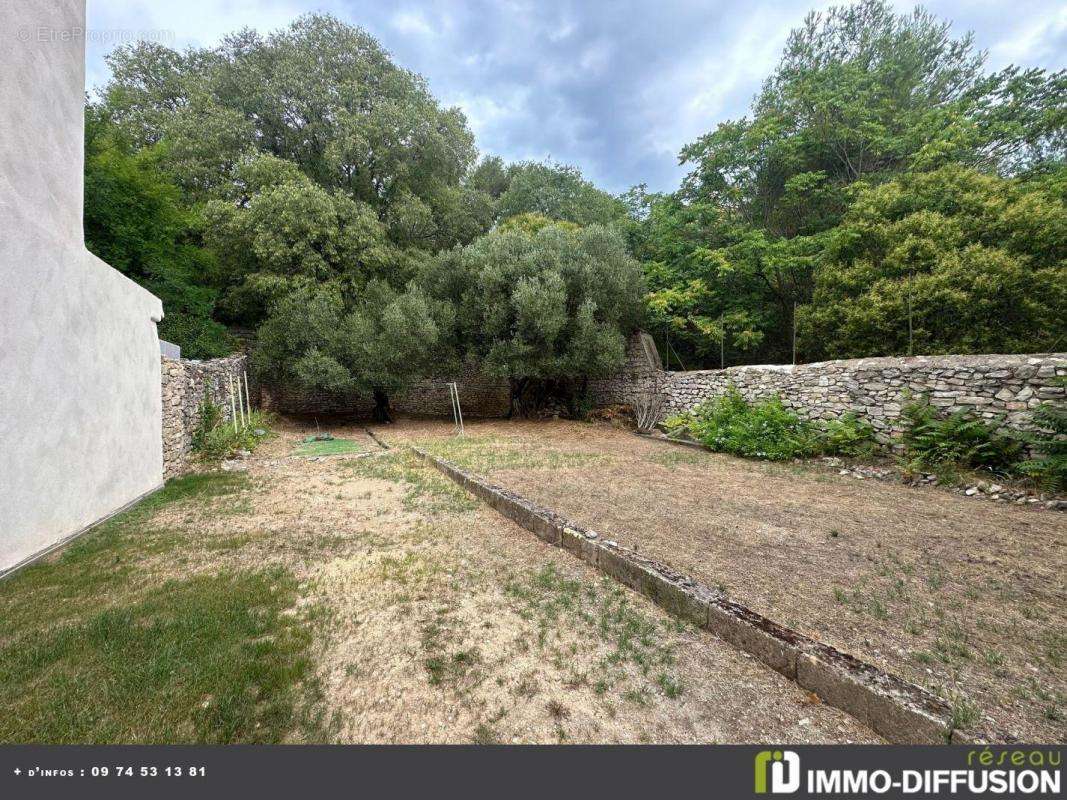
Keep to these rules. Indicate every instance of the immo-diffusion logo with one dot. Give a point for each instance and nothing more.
(784, 769)
(1007, 772)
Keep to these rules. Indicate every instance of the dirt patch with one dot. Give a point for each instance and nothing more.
(433, 619)
(450, 624)
(961, 597)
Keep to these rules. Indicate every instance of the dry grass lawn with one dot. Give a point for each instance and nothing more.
(386, 606)
(963, 596)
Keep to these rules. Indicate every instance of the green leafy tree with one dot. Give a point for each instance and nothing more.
(545, 308)
(861, 95)
(491, 177)
(312, 159)
(943, 262)
(558, 192)
(320, 94)
(136, 222)
(293, 233)
(862, 91)
(376, 343)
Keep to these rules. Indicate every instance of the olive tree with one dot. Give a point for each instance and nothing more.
(375, 344)
(546, 307)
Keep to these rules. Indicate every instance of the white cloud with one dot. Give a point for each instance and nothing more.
(596, 57)
(616, 93)
(565, 30)
(1036, 41)
(412, 22)
(689, 100)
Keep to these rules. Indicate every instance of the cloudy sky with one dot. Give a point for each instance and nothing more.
(615, 87)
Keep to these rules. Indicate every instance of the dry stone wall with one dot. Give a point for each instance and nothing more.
(990, 386)
(480, 396)
(185, 383)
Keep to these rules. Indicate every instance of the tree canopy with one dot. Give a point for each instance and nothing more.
(378, 343)
(939, 262)
(544, 307)
(136, 222)
(885, 195)
(861, 96)
(559, 192)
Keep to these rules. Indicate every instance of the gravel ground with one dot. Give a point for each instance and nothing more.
(964, 597)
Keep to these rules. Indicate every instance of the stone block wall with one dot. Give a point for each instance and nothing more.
(184, 384)
(480, 396)
(990, 386)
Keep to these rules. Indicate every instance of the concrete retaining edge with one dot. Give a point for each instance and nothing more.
(897, 710)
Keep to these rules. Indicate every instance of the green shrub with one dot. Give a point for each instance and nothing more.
(768, 430)
(960, 440)
(730, 424)
(209, 415)
(216, 438)
(1048, 464)
(848, 436)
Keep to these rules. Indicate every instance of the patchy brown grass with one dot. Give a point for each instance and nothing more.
(964, 597)
(430, 618)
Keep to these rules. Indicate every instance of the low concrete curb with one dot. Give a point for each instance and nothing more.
(377, 440)
(901, 712)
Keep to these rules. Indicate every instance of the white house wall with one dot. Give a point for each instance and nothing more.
(80, 429)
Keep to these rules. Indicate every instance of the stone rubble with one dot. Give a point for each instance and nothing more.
(982, 490)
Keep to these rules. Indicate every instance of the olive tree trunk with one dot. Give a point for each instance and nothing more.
(381, 407)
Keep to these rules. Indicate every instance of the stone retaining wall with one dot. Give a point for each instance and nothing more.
(991, 386)
(480, 396)
(184, 385)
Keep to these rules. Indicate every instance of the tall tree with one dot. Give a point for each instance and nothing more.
(374, 344)
(544, 306)
(950, 261)
(135, 221)
(559, 192)
(320, 94)
(860, 95)
(313, 159)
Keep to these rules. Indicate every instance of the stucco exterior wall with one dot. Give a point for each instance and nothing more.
(80, 430)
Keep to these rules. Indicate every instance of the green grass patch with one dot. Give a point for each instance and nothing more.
(98, 568)
(196, 486)
(94, 651)
(329, 447)
(209, 659)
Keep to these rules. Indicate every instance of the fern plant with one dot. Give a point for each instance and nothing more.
(933, 441)
(848, 435)
(1048, 445)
